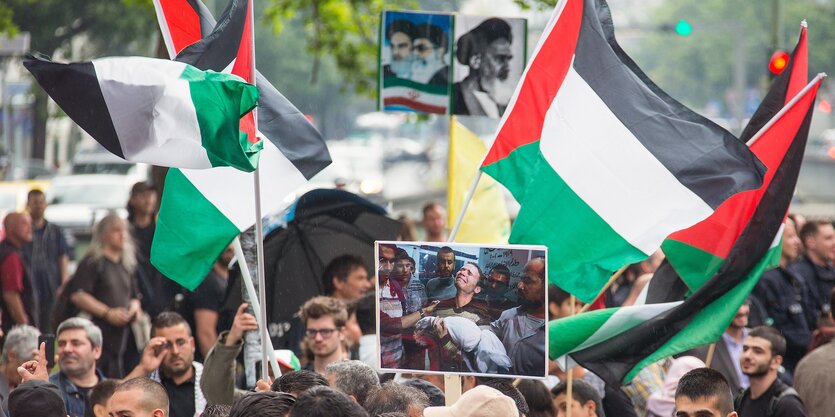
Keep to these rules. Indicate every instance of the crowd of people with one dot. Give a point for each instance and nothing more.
(130, 342)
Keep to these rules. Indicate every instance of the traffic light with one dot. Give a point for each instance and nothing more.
(683, 28)
(778, 62)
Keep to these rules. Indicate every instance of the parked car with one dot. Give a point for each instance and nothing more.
(76, 202)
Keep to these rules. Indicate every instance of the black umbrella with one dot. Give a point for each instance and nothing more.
(321, 225)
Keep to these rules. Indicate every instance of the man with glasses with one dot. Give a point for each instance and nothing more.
(168, 358)
(324, 319)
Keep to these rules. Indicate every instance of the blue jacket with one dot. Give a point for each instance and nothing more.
(75, 399)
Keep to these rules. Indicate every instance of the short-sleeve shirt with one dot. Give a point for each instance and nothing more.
(107, 281)
(11, 273)
(789, 406)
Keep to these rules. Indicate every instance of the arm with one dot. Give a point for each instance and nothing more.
(64, 268)
(152, 356)
(218, 382)
(117, 316)
(409, 320)
(205, 321)
(15, 306)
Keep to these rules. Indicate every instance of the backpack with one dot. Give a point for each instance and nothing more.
(775, 400)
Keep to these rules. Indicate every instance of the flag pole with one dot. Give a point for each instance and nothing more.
(469, 198)
(569, 374)
(709, 358)
(609, 283)
(256, 305)
(786, 108)
(259, 229)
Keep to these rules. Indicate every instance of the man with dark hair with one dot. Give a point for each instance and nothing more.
(296, 383)
(787, 301)
(19, 302)
(704, 392)
(139, 397)
(814, 377)
(443, 285)
(486, 51)
(263, 404)
(435, 395)
(326, 402)
(585, 401)
(762, 355)
(36, 398)
(816, 266)
(434, 222)
(559, 303)
(354, 378)
(394, 397)
(79, 348)
(324, 319)
(168, 358)
(399, 33)
(346, 278)
(430, 47)
(496, 291)
(522, 329)
(47, 257)
(100, 396)
(463, 303)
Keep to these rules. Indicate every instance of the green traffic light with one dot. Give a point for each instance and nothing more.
(683, 28)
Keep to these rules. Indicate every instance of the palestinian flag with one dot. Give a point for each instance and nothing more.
(155, 111)
(400, 94)
(617, 343)
(697, 252)
(604, 164)
(201, 212)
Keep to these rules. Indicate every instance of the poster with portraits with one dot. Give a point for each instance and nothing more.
(489, 58)
(462, 308)
(415, 59)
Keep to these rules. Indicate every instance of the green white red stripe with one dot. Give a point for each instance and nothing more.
(402, 94)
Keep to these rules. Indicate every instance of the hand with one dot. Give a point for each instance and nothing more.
(154, 353)
(35, 369)
(243, 322)
(263, 385)
(429, 309)
(117, 316)
(440, 327)
(134, 309)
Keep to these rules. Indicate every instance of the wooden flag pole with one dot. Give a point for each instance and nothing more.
(710, 350)
(569, 385)
(609, 283)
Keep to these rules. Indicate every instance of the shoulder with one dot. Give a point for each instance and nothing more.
(789, 404)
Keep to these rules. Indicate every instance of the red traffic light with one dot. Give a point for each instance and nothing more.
(778, 62)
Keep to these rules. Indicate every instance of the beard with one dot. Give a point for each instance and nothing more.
(530, 305)
(759, 371)
(497, 89)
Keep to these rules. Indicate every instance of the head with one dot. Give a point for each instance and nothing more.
(791, 242)
(296, 383)
(740, 319)
(481, 401)
(139, 397)
(19, 346)
(537, 397)
(324, 319)
(404, 267)
(179, 343)
(704, 392)
(531, 287)
(110, 234)
(353, 378)
(487, 51)
(505, 386)
(99, 397)
(400, 34)
(36, 203)
(467, 279)
(226, 257)
(79, 347)
(435, 395)
(430, 44)
(498, 280)
(18, 228)
(218, 410)
(142, 201)
(386, 254)
(762, 352)
(326, 402)
(559, 303)
(346, 278)
(36, 399)
(818, 237)
(585, 401)
(394, 397)
(263, 404)
(446, 261)
(434, 220)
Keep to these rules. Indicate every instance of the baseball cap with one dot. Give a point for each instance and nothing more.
(37, 399)
(480, 401)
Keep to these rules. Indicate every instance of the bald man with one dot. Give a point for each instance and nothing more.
(19, 303)
(139, 397)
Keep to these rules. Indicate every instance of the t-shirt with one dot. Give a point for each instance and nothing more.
(180, 397)
(107, 281)
(207, 296)
(789, 406)
(11, 273)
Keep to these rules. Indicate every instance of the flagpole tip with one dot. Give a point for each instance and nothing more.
(803, 24)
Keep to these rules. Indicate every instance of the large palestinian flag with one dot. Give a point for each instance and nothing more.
(604, 164)
(697, 252)
(155, 111)
(202, 211)
(616, 343)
